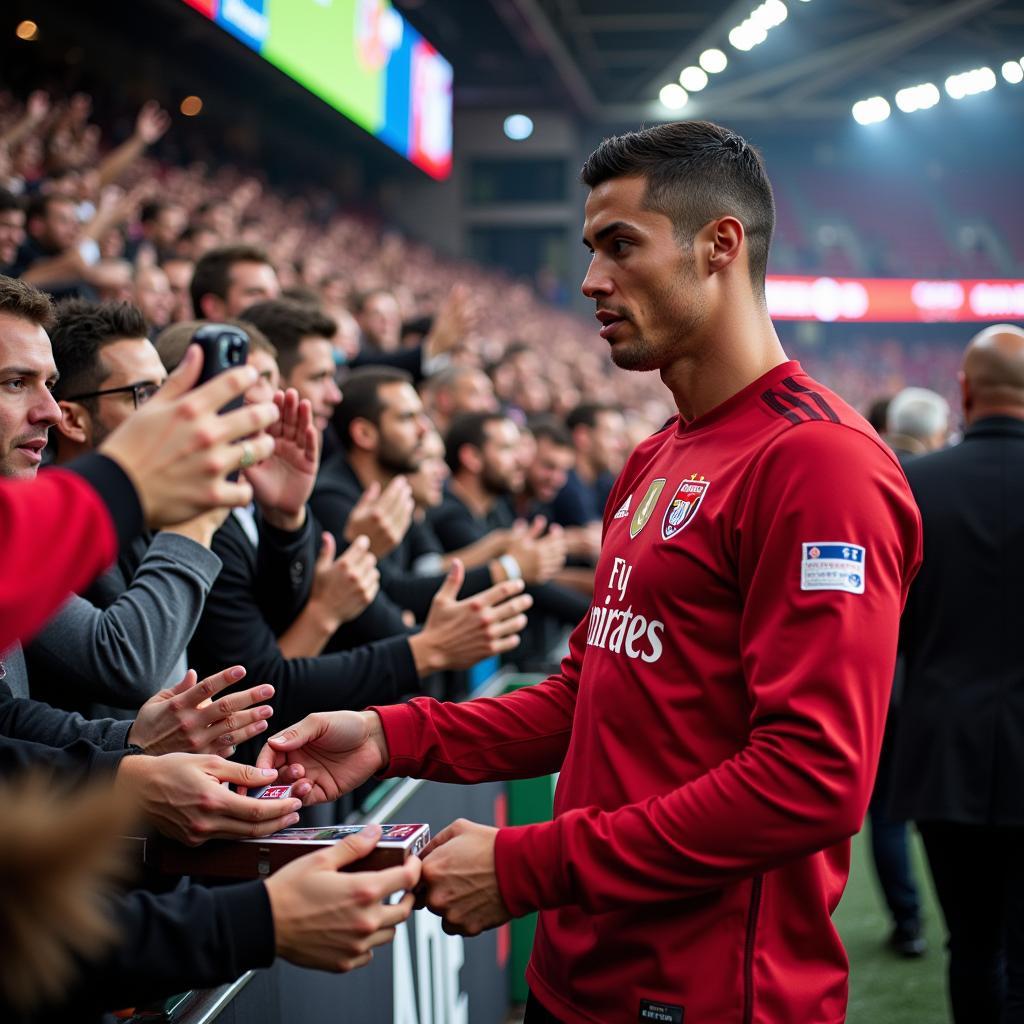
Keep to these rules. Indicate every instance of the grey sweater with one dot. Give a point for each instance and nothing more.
(109, 661)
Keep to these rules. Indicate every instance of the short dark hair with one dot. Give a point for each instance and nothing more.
(359, 299)
(9, 201)
(21, 300)
(468, 428)
(549, 428)
(151, 211)
(286, 323)
(300, 293)
(39, 206)
(82, 329)
(696, 171)
(585, 414)
(212, 275)
(361, 397)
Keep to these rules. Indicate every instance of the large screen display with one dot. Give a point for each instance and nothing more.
(893, 300)
(360, 56)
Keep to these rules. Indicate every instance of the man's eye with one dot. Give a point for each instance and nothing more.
(17, 384)
(620, 245)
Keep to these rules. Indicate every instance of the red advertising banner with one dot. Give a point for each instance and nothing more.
(893, 300)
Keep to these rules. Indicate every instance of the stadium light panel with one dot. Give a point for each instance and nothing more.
(970, 83)
(1013, 72)
(673, 96)
(693, 79)
(518, 127)
(917, 97)
(713, 61)
(872, 110)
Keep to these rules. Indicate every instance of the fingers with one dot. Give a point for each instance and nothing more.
(244, 422)
(269, 760)
(184, 377)
(396, 913)
(366, 499)
(236, 728)
(327, 548)
(187, 683)
(449, 590)
(352, 848)
(247, 811)
(300, 734)
(354, 553)
(499, 592)
(508, 627)
(537, 527)
(222, 827)
(240, 774)
(214, 684)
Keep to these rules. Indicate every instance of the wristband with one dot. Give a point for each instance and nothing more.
(511, 567)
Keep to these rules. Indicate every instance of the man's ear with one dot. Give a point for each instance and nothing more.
(211, 307)
(471, 458)
(966, 398)
(364, 434)
(723, 242)
(75, 423)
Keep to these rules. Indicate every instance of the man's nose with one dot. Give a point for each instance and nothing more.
(45, 410)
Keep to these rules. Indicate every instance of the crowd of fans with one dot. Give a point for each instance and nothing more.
(428, 453)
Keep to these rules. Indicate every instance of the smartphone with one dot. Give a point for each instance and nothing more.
(224, 347)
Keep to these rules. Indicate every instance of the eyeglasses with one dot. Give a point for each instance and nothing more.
(141, 392)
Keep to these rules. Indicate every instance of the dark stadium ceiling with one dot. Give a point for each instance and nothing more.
(609, 60)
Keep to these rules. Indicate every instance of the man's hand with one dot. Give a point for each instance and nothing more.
(333, 752)
(382, 516)
(177, 450)
(458, 634)
(37, 108)
(540, 555)
(182, 795)
(455, 319)
(344, 587)
(330, 920)
(184, 719)
(460, 881)
(152, 122)
(282, 484)
(202, 527)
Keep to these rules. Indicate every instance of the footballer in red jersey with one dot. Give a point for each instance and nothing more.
(718, 718)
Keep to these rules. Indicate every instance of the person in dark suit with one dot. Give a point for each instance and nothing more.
(959, 756)
(917, 422)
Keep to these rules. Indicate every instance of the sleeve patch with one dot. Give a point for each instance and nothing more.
(832, 565)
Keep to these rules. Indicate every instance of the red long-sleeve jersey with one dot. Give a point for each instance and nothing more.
(717, 721)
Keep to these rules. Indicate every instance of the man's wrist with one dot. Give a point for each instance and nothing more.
(286, 522)
(426, 655)
(323, 618)
(376, 734)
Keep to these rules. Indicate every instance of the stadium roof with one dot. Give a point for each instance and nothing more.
(609, 60)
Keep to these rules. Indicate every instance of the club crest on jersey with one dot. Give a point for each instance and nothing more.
(683, 506)
(645, 509)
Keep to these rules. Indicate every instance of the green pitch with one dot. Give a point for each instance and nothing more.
(885, 988)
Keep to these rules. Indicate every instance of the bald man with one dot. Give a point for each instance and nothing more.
(959, 759)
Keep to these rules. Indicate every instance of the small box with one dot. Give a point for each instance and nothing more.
(257, 858)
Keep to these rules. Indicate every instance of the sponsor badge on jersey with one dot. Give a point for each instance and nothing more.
(683, 506)
(832, 565)
(624, 508)
(645, 509)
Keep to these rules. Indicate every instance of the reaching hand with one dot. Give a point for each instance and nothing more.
(455, 319)
(330, 920)
(283, 483)
(540, 555)
(38, 106)
(152, 123)
(332, 752)
(461, 882)
(184, 719)
(344, 588)
(182, 795)
(458, 634)
(383, 516)
(177, 450)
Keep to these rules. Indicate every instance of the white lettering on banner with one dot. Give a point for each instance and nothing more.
(620, 630)
(997, 299)
(439, 959)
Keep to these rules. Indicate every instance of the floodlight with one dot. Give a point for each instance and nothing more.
(518, 127)
(673, 96)
(871, 110)
(713, 61)
(1013, 72)
(917, 97)
(693, 79)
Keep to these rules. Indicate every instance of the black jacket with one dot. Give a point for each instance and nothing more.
(259, 592)
(337, 491)
(960, 745)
